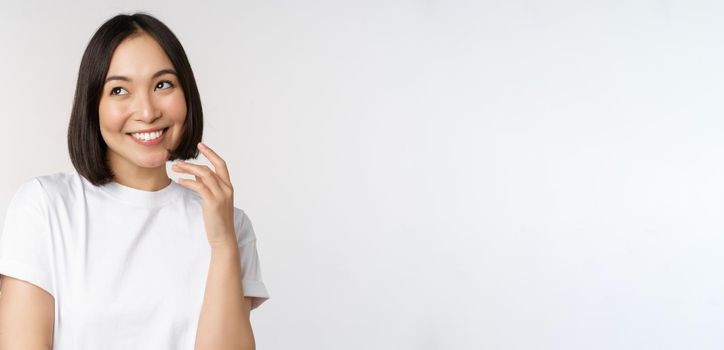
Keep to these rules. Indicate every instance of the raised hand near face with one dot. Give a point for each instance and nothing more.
(217, 193)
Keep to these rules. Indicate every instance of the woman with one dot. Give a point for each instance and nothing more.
(116, 255)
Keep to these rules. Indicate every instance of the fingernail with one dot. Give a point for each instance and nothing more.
(201, 145)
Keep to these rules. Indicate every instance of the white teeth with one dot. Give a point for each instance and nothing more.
(147, 136)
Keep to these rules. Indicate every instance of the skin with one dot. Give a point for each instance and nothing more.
(143, 102)
(26, 316)
(140, 102)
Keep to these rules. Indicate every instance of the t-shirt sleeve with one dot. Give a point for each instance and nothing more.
(252, 281)
(25, 240)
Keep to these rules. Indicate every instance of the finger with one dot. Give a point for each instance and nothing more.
(202, 174)
(207, 176)
(217, 161)
(197, 186)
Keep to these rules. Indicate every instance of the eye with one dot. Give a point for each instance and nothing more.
(115, 89)
(165, 81)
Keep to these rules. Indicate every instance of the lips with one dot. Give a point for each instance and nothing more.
(147, 131)
(152, 141)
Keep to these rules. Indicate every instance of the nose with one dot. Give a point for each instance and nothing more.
(146, 108)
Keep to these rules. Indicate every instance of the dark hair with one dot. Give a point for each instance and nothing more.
(85, 143)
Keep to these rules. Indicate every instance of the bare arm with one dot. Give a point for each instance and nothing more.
(26, 316)
(224, 321)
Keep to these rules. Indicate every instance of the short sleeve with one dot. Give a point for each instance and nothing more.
(25, 240)
(252, 281)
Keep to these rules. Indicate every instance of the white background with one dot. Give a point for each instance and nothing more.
(439, 174)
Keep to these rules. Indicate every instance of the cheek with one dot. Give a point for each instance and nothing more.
(174, 107)
(111, 116)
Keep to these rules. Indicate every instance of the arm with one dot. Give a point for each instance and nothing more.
(26, 315)
(224, 322)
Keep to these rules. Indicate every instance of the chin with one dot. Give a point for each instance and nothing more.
(154, 161)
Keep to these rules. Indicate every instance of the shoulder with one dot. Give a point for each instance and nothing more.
(27, 197)
(35, 194)
(60, 179)
(37, 187)
(61, 185)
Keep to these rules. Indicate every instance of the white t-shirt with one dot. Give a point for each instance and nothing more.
(127, 267)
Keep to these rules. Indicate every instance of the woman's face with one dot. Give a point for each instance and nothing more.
(141, 92)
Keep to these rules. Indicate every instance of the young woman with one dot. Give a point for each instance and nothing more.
(116, 255)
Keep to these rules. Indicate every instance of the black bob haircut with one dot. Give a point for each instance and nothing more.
(85, 143)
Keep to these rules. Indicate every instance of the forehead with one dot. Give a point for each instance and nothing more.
(138, 56)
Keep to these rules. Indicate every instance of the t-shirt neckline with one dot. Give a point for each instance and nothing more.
(142, 197)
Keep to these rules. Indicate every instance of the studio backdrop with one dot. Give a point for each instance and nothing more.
(439, 174)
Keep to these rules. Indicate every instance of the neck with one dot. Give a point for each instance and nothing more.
(151, 178)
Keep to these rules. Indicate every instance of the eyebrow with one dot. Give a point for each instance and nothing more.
(159, 73)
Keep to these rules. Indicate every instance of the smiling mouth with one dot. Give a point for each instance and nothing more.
(149, 137)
